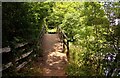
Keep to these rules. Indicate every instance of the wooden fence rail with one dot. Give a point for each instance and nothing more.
(21, 54)
(65, 40)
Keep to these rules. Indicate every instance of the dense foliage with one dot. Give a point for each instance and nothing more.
(22, 22)
(89, 29)
(21, 27)
(94, 35)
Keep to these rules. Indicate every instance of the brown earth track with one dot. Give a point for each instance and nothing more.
(54, 60)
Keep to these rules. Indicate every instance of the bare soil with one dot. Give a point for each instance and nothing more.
(54, 60)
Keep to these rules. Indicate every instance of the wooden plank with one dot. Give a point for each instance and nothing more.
(24, 55)
(24, 46)
(6, 49)
(24, 59)
(20, 45)
(4, 67)
(23, 51)
(22, 65)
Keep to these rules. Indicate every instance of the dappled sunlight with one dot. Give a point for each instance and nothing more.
(60, 38)
(58, 47)
(47, 70)
(55, 61)
(56, 58)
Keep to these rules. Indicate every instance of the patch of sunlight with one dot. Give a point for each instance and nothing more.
(47, 70)
(52, 30)
(56, 62)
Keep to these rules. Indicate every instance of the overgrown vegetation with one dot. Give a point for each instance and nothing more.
(90, 26)
(23, 21)
(21, 24)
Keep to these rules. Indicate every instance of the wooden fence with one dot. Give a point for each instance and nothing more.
(21, 54)
(64, 39)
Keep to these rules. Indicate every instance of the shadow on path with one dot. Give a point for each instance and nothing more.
(54, 61)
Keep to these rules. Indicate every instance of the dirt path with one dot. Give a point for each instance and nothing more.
(54, 61)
